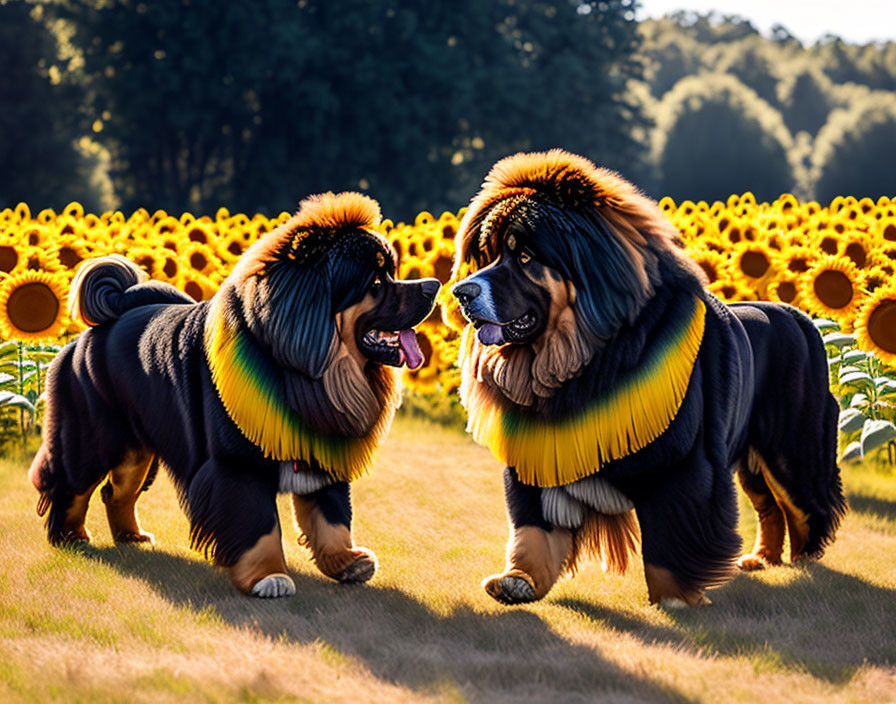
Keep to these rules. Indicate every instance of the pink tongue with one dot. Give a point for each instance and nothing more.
(491, 334)
(412, 354)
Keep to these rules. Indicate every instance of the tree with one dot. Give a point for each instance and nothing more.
(255, 105)
(715, 137)
(856, 149)
(44, 162)
(806, 97)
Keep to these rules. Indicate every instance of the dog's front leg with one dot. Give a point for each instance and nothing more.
(537, 551)
(324, 518)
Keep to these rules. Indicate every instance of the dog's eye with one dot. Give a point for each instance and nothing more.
(525, 257)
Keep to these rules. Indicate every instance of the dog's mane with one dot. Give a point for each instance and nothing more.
(333, 397)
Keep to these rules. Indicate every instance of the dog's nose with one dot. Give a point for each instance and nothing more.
(430, 287)
(466, 291)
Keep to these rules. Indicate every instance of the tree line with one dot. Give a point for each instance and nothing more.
(195, 104)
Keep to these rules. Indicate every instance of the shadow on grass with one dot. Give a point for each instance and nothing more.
(482, 657)
(823, 622)
(871, 505)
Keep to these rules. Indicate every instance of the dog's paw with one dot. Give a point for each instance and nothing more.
(751, 561)
(274, 585)
(362, 569)
(674, 603)
(509, 589)
(131, 537)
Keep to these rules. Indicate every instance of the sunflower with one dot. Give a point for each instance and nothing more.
(175, 241)
(201, 233)
(41, 259)
(875, 278)
(22, 212)
(32, 306)
(34, 235)
(832, 288)
(70, 251)
(231, 247)
(828, 241)
(876, 325)
(197, 286)
(74, 210)
(199, 258)
(859, 247)
(733, 291)
(171, 267)
(716, 266)
(798, 259)
(46, 216)
(886, 229)
(10, 254)
(786, 289)
(754, 264)
(149, 259)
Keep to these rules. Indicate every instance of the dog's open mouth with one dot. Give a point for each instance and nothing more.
(393, 348)
(516, 330)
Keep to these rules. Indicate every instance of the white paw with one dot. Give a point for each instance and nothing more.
(274, 585)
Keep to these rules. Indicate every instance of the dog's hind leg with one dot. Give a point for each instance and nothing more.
(324, 518)
(770, 533)
(120, 495)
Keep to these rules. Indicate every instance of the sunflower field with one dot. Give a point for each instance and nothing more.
(836, 263)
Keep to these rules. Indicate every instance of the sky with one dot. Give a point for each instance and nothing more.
(856, 21)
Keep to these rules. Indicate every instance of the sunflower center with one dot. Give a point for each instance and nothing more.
(829, 245)
(857, 253)
(32, 307)
(69, 257)
(833, 288)
(882, 325)
(798, 264)
(198, 261)
(234, 248)
(786, 291)
(754, 264)
(890, 232)
(193, 290)
(710, 271)
(170, 268)
(8, 258)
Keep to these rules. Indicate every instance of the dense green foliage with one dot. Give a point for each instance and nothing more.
(716, 137)
(193, 104)
(254, 105)
(827, 105)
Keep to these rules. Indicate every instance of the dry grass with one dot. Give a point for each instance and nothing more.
(111, 624)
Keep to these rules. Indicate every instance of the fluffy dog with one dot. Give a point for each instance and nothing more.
(622, 395)
(286, 381)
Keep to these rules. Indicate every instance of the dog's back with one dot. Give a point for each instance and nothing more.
(88, 430)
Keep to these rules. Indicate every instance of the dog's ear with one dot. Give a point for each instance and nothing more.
(291, 310)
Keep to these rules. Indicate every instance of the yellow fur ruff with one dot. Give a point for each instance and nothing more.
(251, 390)
(636, 413)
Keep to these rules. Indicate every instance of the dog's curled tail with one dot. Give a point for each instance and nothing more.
(105, 287)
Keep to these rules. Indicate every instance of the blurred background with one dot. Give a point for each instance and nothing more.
(187, 105)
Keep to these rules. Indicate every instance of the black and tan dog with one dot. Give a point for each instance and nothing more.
(622, 395)
(286, 381)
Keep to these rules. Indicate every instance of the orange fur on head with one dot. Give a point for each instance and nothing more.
(331, 213)
(571, 182)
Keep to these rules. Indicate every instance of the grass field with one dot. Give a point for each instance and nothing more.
(140, 624)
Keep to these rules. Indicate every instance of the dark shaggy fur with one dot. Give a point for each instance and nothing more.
(138, 383)
(552, 227)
